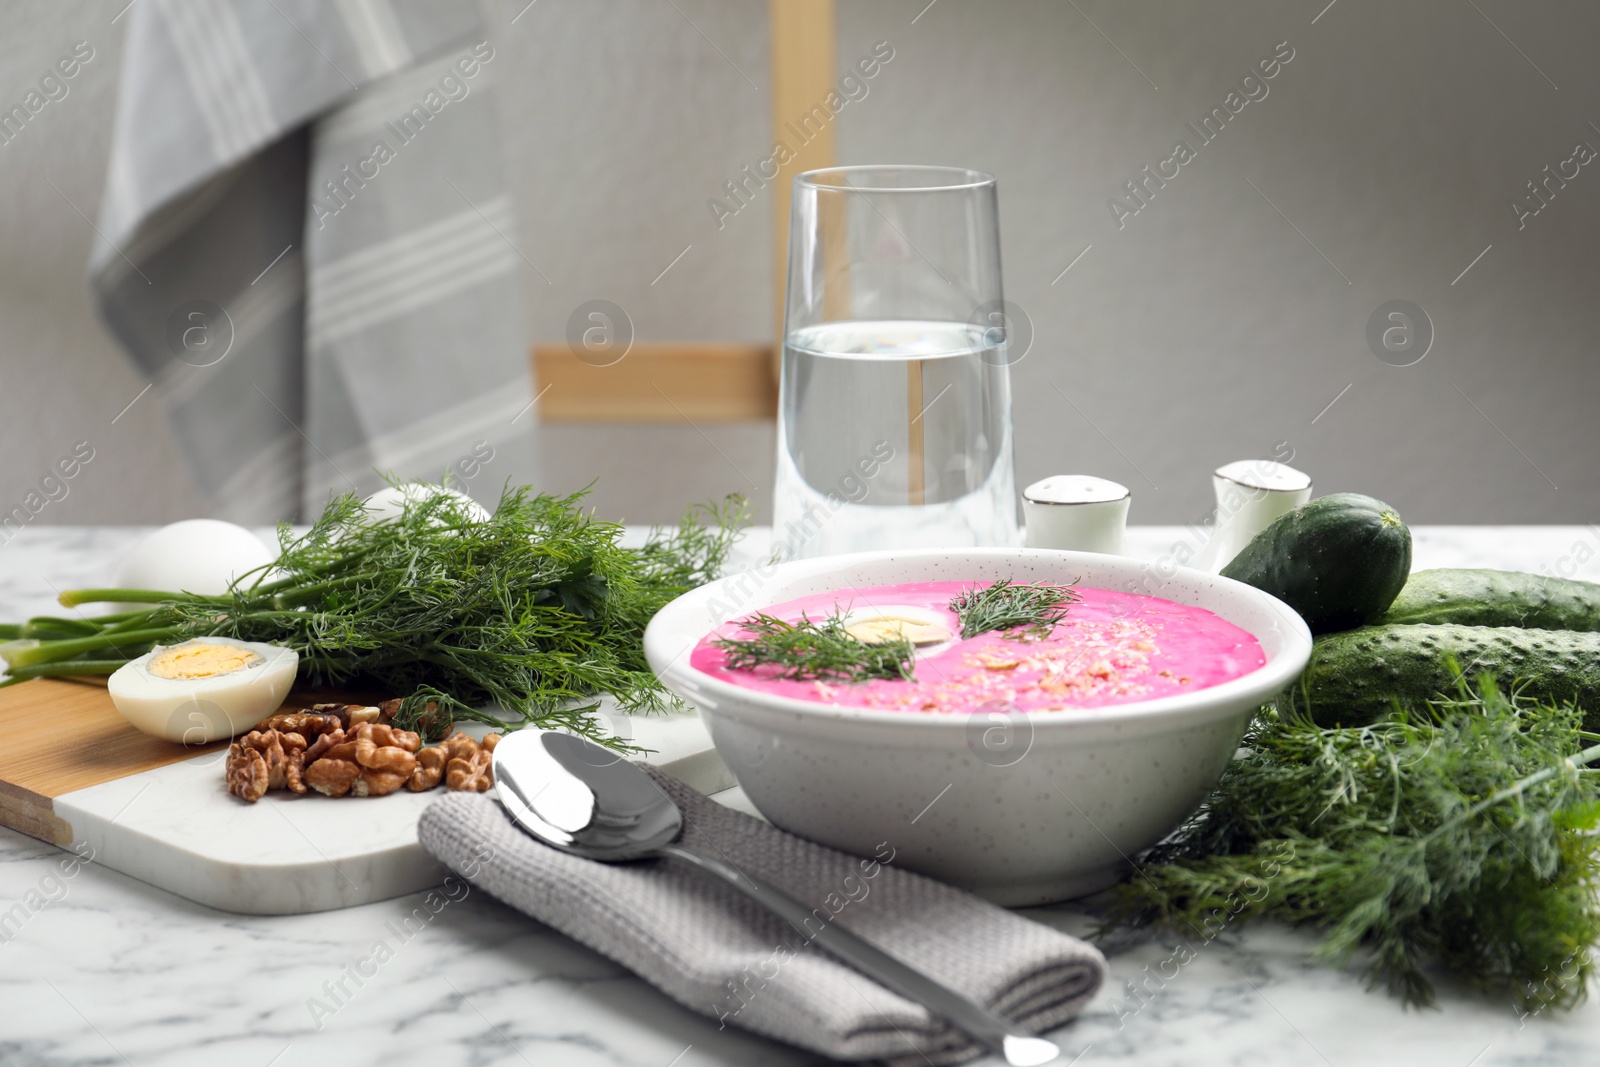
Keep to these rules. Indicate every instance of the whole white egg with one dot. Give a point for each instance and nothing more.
(390, 503)
(193, 556)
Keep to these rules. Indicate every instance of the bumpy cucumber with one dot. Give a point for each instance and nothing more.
(1354, 677)
(1497, 598)
(1338, 560)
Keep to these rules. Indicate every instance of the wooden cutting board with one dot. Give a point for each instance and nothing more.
(73, 772)
(58, 736)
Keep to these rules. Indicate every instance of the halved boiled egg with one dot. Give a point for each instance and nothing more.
(920, 626)
(203, 689)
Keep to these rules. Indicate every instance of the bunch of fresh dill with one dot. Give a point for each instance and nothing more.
(1026, 611)
(1462, 835)
(809, 649)
(538, 610)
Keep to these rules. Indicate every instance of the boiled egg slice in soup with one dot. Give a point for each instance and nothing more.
(204, 689)
(877, 625)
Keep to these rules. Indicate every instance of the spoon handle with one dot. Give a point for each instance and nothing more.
(993, 1031)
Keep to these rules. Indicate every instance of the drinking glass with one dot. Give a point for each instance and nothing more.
(894, 409)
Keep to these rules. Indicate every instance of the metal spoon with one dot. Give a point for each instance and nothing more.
(578, 797)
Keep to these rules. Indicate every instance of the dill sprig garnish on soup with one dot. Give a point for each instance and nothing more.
(815, 650)
(1028, 611)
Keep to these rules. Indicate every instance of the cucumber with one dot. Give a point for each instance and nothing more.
(1354, 677)
(1497, 598)
(1338, 560)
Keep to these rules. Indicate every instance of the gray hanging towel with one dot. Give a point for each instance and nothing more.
(307, 246)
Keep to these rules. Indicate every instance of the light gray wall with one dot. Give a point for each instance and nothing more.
(62, 380)
(1209, 328)
(626, 120)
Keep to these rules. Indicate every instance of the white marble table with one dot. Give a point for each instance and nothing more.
(112, 971)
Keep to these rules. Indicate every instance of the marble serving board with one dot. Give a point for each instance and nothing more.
(74, 773)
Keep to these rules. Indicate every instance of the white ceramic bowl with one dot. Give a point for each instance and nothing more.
(1024, 808)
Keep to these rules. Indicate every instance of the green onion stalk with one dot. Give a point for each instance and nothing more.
(525, 618)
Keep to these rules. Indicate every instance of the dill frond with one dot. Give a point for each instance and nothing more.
(1028, 611)
(1464, 834)
(807, 649)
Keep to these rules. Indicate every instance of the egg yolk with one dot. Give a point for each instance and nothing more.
(884, 628)
(197, 659)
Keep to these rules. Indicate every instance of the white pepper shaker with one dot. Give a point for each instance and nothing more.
(1076, 512)
(1251, 495)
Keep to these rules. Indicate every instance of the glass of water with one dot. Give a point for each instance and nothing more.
(894, 409)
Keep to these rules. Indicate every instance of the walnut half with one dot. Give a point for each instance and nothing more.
(471, 769)
(263, 760)
(461, 762)
(333, 777)
(351, 715)
(308, 724)
(246, 772)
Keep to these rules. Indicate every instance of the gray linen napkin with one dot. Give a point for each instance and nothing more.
(708, 947)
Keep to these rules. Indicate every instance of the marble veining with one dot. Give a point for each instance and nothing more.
(98, 968)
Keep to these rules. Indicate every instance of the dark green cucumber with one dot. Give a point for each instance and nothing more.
(1355, 677)
(1339, 560)
(1497, 598)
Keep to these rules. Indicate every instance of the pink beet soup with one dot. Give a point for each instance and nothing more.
(1112, 648)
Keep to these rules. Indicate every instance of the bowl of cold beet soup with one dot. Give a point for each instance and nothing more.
(1016, 722)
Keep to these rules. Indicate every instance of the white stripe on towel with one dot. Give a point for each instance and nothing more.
(366, 113)
(388, 279)
(442, 434)
(228, 92)
(377, 35)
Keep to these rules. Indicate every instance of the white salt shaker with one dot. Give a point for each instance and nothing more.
(1251, 494)
(1076, 512)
